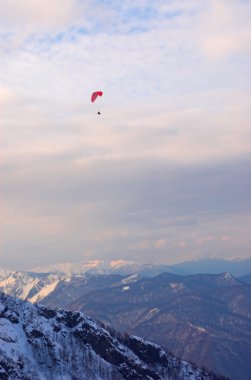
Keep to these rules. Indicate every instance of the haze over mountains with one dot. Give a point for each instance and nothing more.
(238, 267)
(204, 318)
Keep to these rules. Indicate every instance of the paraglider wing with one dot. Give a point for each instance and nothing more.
(95, 95)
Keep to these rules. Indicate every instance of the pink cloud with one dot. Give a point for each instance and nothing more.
(160, 243)
(205, 239)
(182, 244)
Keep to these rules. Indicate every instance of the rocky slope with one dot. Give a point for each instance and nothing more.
(37, 343)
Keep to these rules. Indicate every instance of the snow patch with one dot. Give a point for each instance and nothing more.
(130, 279)
(177, 285)
(155, 310)
(68, 267)
(199, 328)
(8, 281)
(47, 289)
(119, 263)
(27, 288)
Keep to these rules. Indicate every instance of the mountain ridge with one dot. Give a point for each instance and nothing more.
(46, 344)
(182, 313)
(238, 267)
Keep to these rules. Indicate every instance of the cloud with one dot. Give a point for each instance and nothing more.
(224, 29)
(205, 239)
(181, 244)
(169, 158)
(6, 96)
(37, 13)
(160, 243)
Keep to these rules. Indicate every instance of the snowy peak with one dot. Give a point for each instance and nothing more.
(123, 267)
(95, 266)
(31, 286)
(238, 268)
(44, 344)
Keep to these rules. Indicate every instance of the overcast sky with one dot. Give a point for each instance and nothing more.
(163, 175)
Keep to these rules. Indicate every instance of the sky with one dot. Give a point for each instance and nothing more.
(163, 175)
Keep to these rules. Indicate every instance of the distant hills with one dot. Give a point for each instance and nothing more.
(240, 267)
(246, 279)
(237, 268)
(202, 318)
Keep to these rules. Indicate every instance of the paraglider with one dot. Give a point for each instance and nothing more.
(94, 97)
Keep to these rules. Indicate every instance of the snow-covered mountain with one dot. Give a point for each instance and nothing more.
(238, 267)
(45, 344)
(27, 285)
(91, 266)
(205, 319)
(182, 313)
(123, 267)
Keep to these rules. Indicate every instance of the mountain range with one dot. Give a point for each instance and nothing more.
(202, 318)
(37, 343)
(238, 267)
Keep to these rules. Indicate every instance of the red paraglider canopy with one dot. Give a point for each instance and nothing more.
(95, 95)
